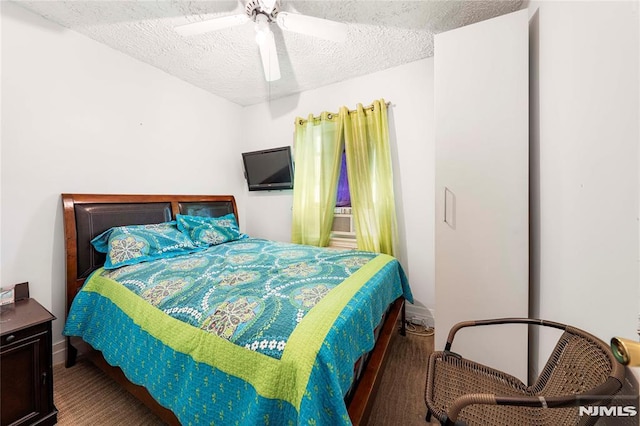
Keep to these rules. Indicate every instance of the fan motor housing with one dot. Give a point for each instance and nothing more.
(253, 8)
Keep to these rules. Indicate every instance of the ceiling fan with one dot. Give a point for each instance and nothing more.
(263, 13)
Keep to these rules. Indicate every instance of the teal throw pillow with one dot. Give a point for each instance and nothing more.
(128, 245)
(210, 231)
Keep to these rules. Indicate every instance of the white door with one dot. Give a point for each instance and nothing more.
(482, 168)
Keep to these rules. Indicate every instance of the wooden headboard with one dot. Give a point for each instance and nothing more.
(88, 215)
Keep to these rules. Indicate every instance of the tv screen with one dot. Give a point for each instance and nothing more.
(268, 169)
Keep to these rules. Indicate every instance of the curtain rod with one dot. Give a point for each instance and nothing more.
(303, 120)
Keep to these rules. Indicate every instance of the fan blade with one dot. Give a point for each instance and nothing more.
(269, 57)
(211, 25)
(317, 27)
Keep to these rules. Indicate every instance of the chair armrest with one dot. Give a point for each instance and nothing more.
(469, 399)
(597, 395)
(498, 321)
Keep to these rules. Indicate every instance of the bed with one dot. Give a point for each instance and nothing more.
(320, 365)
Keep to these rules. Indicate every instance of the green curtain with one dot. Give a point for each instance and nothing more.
(366, 138)
(317, 154)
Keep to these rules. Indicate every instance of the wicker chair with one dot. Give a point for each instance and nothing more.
(580, 371)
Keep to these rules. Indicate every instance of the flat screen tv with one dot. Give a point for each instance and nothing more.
(268, 169)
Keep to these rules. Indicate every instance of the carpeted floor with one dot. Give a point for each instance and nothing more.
(400, 398)
(83, 395)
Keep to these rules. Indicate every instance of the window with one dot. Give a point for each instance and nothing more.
(343, 233)
(343, 198)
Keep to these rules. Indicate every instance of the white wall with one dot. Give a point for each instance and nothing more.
(584, 142)
(80, 117)
(409, 88)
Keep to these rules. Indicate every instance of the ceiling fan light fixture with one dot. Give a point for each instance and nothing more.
(267, 5)
(263, 32)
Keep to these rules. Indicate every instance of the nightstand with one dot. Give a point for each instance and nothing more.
(26, 380)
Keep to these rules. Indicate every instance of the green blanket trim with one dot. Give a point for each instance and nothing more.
(284, 379)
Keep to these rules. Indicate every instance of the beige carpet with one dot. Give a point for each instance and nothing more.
(400, 398)
(85, 396)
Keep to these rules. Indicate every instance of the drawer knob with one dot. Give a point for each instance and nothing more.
(10, 338)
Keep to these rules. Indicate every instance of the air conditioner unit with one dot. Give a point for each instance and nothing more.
(343, 225)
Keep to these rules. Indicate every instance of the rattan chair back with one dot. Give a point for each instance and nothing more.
(581, 370)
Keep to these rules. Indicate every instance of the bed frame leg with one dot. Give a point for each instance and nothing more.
(72, 353)
(403, 327)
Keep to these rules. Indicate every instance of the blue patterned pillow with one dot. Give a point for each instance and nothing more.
(128, 245)
(210, 231)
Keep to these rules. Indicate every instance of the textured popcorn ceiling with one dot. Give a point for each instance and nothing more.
(381, 34)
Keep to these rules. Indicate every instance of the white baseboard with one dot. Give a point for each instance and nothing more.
(421, 314)
(59, 352)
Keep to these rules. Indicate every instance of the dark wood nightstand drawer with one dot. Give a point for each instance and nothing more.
(17, 336)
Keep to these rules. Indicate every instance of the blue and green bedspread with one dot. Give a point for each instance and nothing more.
(246, 332)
